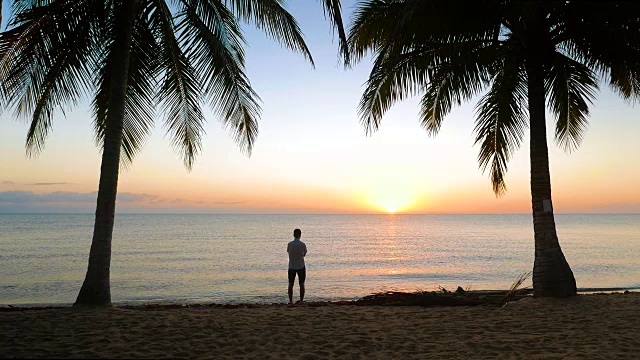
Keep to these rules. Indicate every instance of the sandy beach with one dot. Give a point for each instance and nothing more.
(586, 327)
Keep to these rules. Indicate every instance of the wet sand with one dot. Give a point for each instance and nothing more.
(585, 327)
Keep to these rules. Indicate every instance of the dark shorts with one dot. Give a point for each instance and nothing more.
(302, 275)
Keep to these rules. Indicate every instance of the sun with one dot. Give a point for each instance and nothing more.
(391, 197)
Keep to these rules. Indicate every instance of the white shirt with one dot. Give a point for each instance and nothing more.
(297, 250)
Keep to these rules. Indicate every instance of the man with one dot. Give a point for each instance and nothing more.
(297, 250)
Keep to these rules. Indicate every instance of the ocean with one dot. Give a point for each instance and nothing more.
(243, 258)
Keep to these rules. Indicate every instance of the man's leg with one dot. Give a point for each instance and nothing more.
(292, 278)
(290, 293)
(302, 276)
(301, 292)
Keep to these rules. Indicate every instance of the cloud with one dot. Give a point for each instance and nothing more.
(51, 183)
(7, 182)
(23, 197)
(131, 197)
(67, 201)
(26, 197)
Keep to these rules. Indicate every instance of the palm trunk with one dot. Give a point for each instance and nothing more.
(552, 275)
(96, 287)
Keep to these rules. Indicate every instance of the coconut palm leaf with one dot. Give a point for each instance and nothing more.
(179, 89)
(605, 38)
(374, 23)
(37, 79)
(392, 79)
(332, 8)
(501, 121)
(465, 75)
(447, 73)
(270, 16)
(214, 41)
(414, 23)
(448, 68)
(141, 86)
(571, 87)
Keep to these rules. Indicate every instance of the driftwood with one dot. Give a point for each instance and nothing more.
(397, 298)
(441, 298)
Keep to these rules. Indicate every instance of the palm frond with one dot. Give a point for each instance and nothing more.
(333, 9)
(410, 23)
(605, 38)
(571, 87)
(179, 90)
(389, 82)
(212, 37)
(275, 20)
(141, 87)
(37, 77)
(372, 25)
(416, 50)
(448, 73)
(464, 75)
(501, 122)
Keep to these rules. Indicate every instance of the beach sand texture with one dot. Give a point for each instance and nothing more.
(585, 327)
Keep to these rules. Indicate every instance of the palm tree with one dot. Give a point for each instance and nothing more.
(130, 57)
(526, 54)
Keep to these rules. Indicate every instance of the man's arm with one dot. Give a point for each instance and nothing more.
(288, 247)
(305, 250)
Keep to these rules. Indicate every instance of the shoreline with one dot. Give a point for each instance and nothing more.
(597, 326)
(233, 304)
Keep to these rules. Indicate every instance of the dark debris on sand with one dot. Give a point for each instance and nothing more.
(443, 297)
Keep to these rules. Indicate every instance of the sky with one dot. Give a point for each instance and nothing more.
(313, 156)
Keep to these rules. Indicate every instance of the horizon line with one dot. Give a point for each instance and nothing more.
(378, 213)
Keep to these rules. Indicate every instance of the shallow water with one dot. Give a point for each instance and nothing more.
(242, 258)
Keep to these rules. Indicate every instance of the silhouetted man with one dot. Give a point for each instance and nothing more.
(297, 250)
